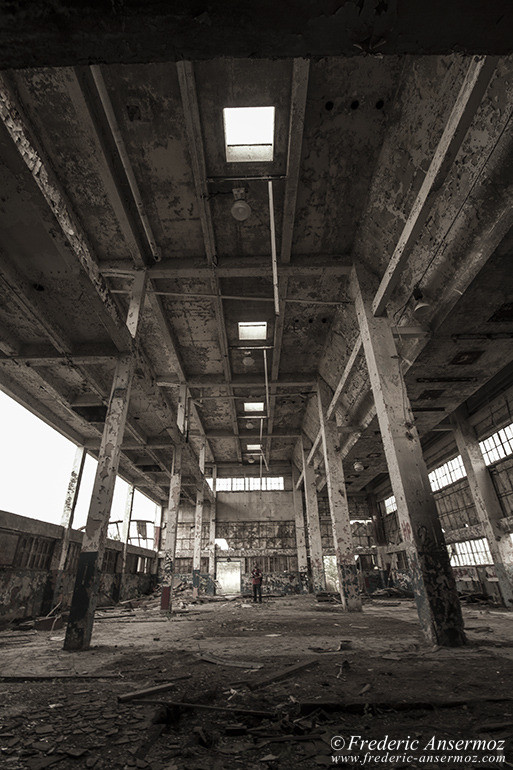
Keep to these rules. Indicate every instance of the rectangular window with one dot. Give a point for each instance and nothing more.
(249, 134)
(253, 331)
(254, 447)
(253, 406)
(470, 553)
(447, 473)
(498, 445)
(251, 484)
(390, 504)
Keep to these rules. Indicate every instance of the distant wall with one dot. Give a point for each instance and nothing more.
(29, 579)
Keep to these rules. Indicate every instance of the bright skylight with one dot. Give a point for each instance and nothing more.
(249, 134)
(256, 330)
(253, 406)
(254, 447)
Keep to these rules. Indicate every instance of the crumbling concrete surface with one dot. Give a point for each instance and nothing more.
(260, 686)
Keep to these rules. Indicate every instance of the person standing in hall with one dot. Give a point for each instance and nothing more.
(257, 578)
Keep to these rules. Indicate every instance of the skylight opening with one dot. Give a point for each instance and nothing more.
(249, 134)
(254, 447)
(252, 330)
(253, 406)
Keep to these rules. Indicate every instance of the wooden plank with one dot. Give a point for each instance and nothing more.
(283, 674)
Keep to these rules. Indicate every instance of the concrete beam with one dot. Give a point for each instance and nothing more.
(475, 83)
(308, 265)
(12, 115)
(186, 79)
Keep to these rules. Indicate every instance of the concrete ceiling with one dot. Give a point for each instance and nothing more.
(354, 141)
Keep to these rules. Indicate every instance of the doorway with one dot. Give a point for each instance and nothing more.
(331, 574)
(228, 577)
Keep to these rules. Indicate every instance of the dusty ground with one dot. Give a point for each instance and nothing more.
(383, 664)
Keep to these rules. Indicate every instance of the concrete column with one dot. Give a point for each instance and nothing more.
(70, 502)
(487, 504)
(378, 528)
(314, 528)
(169, 527)
(125, 532)
(433, 581)
(85, 595)
(339, 507)
(198, 526)
(299, 515)
(212, 530)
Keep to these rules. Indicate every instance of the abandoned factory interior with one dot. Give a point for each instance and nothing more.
(256, 385)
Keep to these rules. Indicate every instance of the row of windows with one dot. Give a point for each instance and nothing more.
(494, 448)
(248, 484)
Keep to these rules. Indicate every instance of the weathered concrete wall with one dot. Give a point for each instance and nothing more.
(28, 577)
(255, 506)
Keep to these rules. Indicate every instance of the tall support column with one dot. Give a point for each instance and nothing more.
(339, 507)
(314, 528)
(212, 530)
(85, 595)
(378, 528)
(487, 504)
(198, 527)
(433, 580)
(70, 503)
(55, 586)
(169, 527)
(125, 532)
(299, 515)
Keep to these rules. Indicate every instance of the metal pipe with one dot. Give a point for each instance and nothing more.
(96, 73)
(273, 249)
(266, 383)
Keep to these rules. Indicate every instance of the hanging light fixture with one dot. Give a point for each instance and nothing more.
(422, 307)
(358, 466)
(240, 209)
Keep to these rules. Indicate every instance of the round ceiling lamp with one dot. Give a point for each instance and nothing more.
(240, 211)
(249, 425)
(248, 361)
(358, 466)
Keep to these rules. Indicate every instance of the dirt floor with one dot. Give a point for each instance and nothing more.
(367, 675)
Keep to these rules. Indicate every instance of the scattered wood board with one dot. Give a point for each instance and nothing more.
(151, 690)
(283, 674)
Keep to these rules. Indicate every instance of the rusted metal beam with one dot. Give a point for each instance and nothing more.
(475, 83)
(339, 507)
(238, 381)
